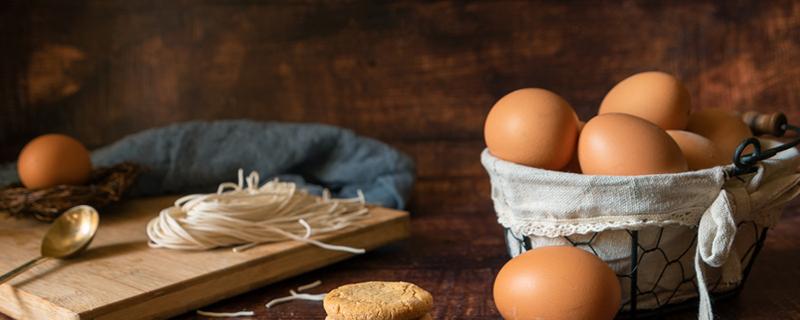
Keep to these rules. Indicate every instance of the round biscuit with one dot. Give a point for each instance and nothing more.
(425, 317)
(378, 300)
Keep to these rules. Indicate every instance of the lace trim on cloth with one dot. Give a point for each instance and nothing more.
(567, 227)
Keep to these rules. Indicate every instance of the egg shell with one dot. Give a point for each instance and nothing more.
(724, 128)
(532, 127)
(617, 144)
(700, 153)
(557, 283)
(53, 159)
(655, 96)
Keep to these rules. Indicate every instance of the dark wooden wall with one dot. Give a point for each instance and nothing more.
(418, 75)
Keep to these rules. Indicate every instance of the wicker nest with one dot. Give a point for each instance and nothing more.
(106, 185)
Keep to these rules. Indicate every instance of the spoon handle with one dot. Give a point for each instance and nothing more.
(13, 273)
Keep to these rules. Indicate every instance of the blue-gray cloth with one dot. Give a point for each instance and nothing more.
(197, 156)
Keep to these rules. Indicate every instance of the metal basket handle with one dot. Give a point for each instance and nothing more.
(774, 124)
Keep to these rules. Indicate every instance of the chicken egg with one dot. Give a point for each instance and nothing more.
(532, 127)
(53, 159)
(724, 128)
(557, 283)
(618, 144)
(700, 153)
(574, 166)
(655, 96)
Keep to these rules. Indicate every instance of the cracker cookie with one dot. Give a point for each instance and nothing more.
(425, 317)
(378, 300)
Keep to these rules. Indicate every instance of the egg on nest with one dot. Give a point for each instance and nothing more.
(53, 159)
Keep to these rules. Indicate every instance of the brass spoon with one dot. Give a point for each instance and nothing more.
(68, 236)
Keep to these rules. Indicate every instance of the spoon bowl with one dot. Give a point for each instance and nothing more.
(70, 233)
(68, 236)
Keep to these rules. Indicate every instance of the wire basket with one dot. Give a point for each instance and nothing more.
(665, 301)
(650, 264)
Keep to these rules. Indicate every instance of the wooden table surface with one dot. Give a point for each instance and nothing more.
(420, 76)
(457, 248)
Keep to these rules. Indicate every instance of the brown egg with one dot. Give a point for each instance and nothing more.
(655, 96)
(557, 283)
(532, 127)
(724, 128)
(573, 165)
(617, 144)
(700, 153)
(53, 159)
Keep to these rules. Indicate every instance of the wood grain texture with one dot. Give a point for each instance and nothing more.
(120, 277)
(398, 71)
(418, 75)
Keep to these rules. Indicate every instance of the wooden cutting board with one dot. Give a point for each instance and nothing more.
(120, 277)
